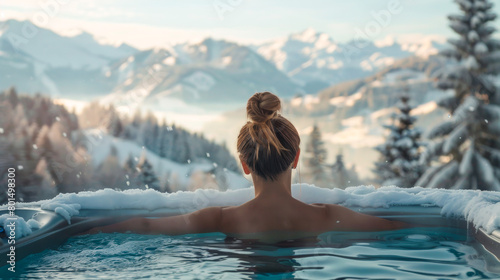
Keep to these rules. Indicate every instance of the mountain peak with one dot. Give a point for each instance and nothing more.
(308, 35)
(14, 24)
(83, 36)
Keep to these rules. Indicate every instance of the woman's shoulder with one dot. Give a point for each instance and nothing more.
(327, 206)
(333, 209)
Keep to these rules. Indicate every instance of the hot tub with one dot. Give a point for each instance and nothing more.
(55, 231)
(451, 248)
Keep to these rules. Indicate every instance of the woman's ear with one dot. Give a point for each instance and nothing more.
(296, 160)
(245, 167)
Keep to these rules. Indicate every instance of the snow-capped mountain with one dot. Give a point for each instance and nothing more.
(35, 59)
(206, 73)
(56, 51)
(314, 60)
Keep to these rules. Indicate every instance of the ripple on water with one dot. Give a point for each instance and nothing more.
(404, 254)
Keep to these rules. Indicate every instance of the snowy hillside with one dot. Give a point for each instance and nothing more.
(100, 147)
(314, 59)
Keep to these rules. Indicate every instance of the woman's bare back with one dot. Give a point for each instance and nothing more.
(256, 217)
(292, 219)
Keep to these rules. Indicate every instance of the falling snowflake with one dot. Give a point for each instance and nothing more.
(64, 134)
(188, 161)
(35, 147)
(147, 187)
(215, 165)
(128, 183)
(20, 167)
(58, 119)
(208, 154)
(486, 121)
(1, 130)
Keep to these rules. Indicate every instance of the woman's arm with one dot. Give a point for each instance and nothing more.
(346, 219)
(201, 221)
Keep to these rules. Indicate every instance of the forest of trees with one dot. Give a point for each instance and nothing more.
(321, 174)
(43, 142)
(166, 140)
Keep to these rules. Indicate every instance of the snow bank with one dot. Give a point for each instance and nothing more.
(481, 208)
(21, 227)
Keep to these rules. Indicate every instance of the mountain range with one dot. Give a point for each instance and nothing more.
(36, 59)
(314, 60)
(349, 89)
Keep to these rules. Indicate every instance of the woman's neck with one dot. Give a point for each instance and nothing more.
(281, 187)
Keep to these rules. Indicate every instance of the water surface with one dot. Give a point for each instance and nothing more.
(423, 253)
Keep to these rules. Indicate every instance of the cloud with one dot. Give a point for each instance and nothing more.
(91, 9)
(142, 36)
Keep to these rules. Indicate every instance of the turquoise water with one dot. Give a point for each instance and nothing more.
(425, 253)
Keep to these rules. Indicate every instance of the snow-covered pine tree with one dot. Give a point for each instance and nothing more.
(341, 176)
(165, 182)
(163, 139)
(147, 177)
(131, 172)
(399, 162)
(46, 185)
(467, 145)
(354, 179)
(110, 173)
(315, 157)
(148, 132)
(339, 173)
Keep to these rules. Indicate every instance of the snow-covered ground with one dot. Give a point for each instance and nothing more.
(99, 147)
(481, 208)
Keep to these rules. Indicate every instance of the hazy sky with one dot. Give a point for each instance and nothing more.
(149, 23)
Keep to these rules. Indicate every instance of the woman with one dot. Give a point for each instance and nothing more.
(268, 147)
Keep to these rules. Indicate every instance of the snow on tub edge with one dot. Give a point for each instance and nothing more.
(481, 208)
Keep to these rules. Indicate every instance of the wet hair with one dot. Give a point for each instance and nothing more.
(268, 142)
